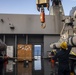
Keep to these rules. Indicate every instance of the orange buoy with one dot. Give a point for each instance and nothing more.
(42, 17)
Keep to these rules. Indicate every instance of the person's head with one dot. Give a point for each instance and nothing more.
(3, 46)
(63, 45)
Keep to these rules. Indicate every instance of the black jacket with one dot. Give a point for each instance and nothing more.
(2, 60)
(63, 56)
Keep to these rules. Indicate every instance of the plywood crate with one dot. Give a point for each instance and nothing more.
(21, 53)
(28, 49)
(24, 70)
(24, 52)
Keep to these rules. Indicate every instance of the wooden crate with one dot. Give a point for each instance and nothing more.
(24, 70)
(21, 53)
(24, 52)
(28, 49)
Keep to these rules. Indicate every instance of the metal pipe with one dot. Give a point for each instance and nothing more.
(71, 42)
(15, 45)
(26, 39)
(24, 58)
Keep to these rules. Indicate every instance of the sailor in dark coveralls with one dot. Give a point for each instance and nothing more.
(3, 58)
(63, 59)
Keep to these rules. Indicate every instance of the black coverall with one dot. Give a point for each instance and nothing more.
(2, 61)
(63, 59)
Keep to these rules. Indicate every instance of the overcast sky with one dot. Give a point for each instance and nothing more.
(29, 6)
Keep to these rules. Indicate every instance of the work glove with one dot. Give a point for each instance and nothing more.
(52, 63)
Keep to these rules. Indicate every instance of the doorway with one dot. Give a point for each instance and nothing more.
(37, 51)
(37, 56)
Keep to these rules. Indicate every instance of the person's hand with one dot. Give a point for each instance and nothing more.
(6, 57)
(52, 63)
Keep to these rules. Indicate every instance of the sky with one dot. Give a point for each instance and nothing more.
(29, 6)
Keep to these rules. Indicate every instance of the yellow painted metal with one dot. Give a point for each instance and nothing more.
(41, 1)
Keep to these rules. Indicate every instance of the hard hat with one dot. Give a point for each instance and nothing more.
(63, 45)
